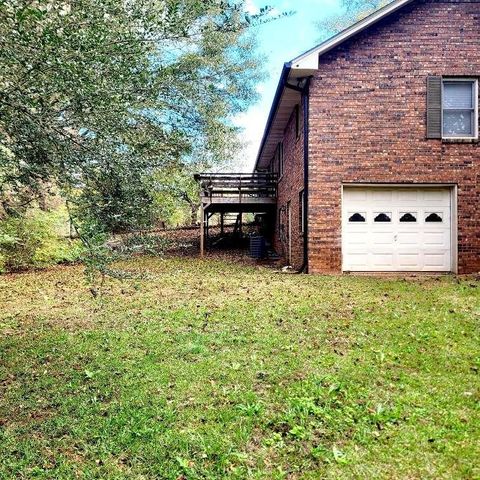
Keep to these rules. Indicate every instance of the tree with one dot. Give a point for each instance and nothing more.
(178, 185)
(176, 188)
(95, 97)
(353, 11)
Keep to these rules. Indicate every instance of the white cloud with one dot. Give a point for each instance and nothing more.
(252, 123)
(251, 8)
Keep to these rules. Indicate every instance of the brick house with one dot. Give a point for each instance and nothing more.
(374, 137)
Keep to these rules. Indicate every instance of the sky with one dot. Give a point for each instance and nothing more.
(280, 41)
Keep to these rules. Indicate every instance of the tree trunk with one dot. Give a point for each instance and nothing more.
(194, 214)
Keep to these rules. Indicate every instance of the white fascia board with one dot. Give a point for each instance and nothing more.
(307, 62)
(309, 59)
(298, 73)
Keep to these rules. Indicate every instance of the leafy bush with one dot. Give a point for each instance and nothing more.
(36, 239)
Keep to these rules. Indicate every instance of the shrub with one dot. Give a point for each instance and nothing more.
(36, 239)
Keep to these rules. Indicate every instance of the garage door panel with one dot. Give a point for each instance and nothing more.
(359, 260)
(382, 238)
(382, 260)
(435, 261)
(435, 197)
(408, 260)
(408, 238)
(358, 239)
(359, 195)
(417, 237)
(436, 239)
(408, 196)
(381, 195)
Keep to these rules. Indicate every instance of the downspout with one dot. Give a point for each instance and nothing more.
(305, 91)
(306, 135)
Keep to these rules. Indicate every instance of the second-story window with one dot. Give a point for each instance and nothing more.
(459, 108)
(271, 167)
(279, 159)
(297, 122)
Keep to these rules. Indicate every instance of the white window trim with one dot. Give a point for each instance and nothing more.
(475, 105)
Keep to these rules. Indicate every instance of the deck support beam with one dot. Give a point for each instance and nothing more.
(202, 232)
(207, 229)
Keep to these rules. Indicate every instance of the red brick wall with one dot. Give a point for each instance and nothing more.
(289, 188)
(368, 121)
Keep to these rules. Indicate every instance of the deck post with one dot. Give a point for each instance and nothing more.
(202, 232)
(207, 229)
(221, 224)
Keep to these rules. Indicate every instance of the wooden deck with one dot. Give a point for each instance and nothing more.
(223, 193)
(237, 192)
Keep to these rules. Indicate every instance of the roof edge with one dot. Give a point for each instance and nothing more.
(349, 32)
(287, 66)
(309, 60)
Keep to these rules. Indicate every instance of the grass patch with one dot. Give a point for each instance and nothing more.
(207, 370)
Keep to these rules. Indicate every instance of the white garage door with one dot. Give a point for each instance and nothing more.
(396, 229)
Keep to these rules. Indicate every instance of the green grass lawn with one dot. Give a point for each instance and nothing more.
(209, 370)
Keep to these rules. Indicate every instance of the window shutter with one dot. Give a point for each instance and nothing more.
(434, 107)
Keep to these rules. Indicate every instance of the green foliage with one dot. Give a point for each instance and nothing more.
(96, 98)
(352, 5)
(35, 240)
(172, 210)
(354, 11)
(178, 194)
(119, 200)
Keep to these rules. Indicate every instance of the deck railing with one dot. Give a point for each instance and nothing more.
(241, 185)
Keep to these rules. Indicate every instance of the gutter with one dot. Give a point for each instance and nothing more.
(273, 111)
(305, 91)
(306, 144)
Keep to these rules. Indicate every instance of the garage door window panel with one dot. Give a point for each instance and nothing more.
(382, 217)
(357, 217)
(433, 217)
(408, 217)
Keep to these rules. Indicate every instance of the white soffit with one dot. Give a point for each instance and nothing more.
(287, 103)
